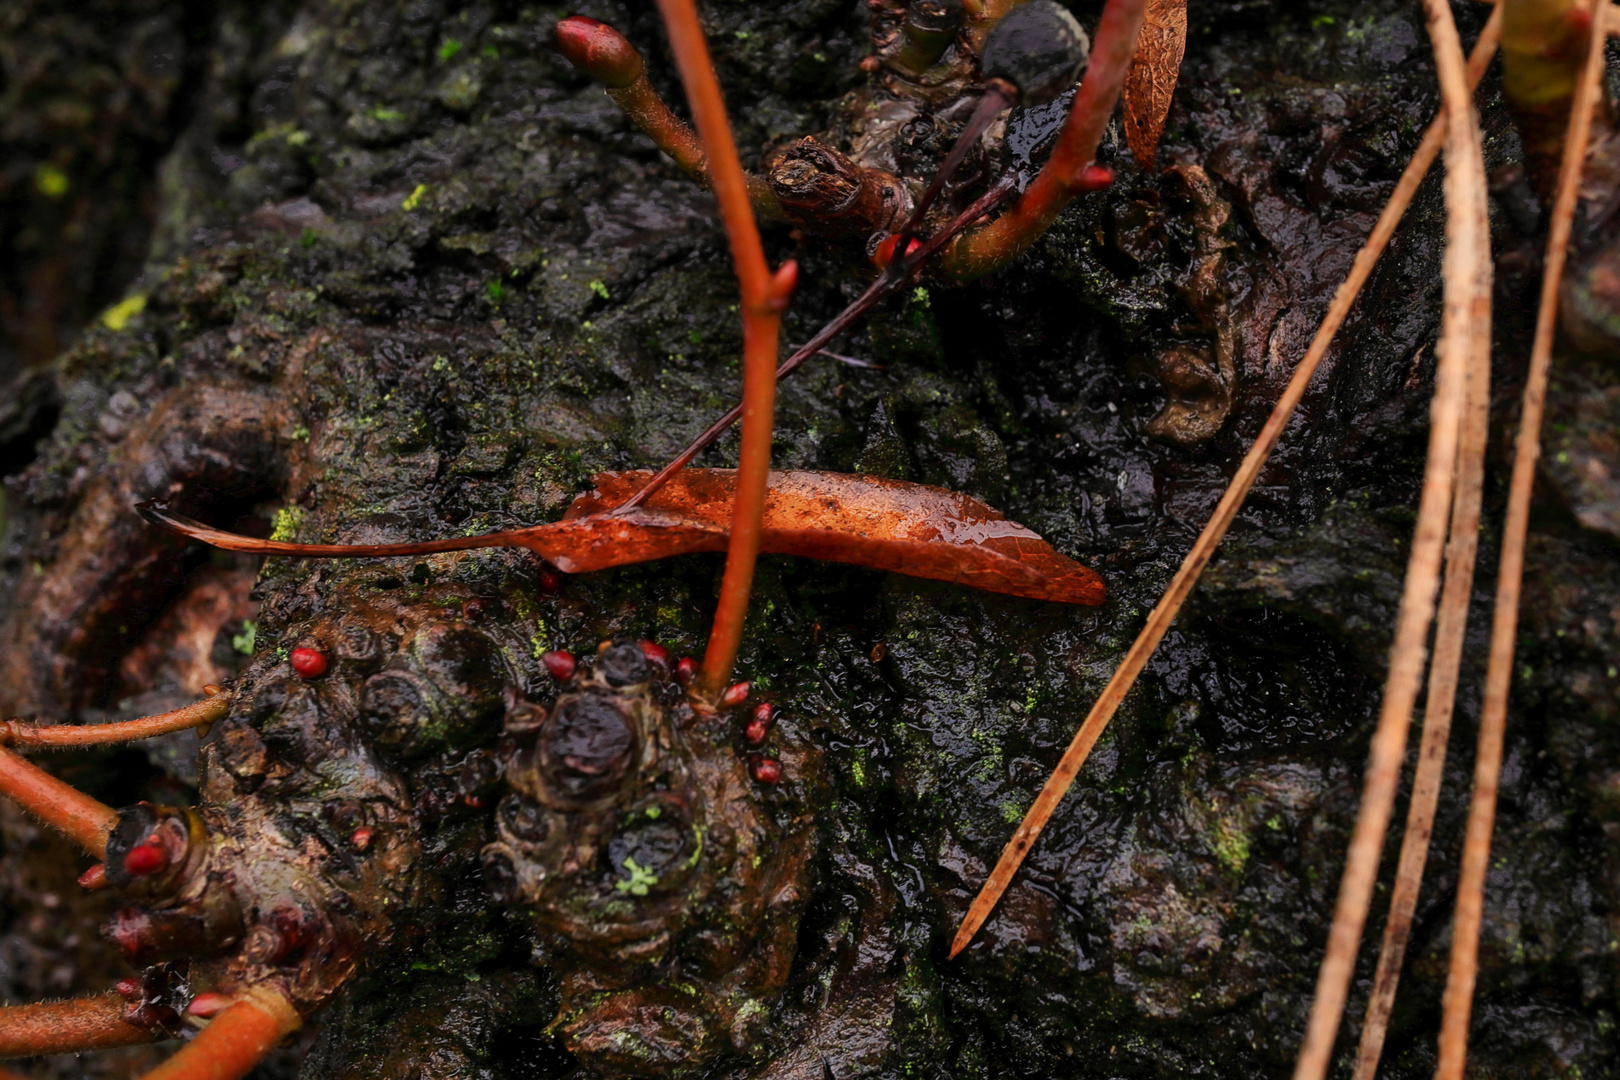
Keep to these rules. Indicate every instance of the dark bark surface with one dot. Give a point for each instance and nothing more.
(407, 275)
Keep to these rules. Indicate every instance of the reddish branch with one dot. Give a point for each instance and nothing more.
(70, 1027)
(196, 715)
(59, 805)
(992, 246)
(234, 1041)
(764, 298)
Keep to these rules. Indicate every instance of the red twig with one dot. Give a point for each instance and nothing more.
(70, 1027)
(234, 1041)
(764, 298)
(1459, 995)
(992, 246)
(196, 715)
(59, 805)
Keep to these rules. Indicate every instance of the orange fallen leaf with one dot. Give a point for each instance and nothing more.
(1152, 80)
(909, 529)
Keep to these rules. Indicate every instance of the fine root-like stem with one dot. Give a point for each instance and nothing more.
(61, 806)
(1467, 274)
(1450, 626)
(71, 1027)
(764, 298)
(235, 1040)
(1459, 994)
(1159, 620)
(991, 246)
(200, 714)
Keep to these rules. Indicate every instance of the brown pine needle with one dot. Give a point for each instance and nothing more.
(1467, 270)
(1458, 1000)
(199, 714)
(1450, 627)
(1192, 566)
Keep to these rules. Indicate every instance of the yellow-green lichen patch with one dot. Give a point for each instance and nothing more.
(288, 520)
(117, 317)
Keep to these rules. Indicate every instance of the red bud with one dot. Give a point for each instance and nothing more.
(130, 989)
(884, 254)
(308, 663)
(656, 655)
(735, 695)
(361, 838)
(686, 671)
(145, 858)
(1094, 177)
(559, 663)
(205, 1006)
(767, 771)
(599, 50)
(95, 877)
(756, 731)
(783, 283)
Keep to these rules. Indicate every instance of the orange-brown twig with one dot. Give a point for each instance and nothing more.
(196, 715)
(607, 56)
(234, 1041)
(61, 806)
(70, 1027)
(1159, 620)
(764, 298)
(989, 247)
(1461, 555)
(1459, 994)
(1467, 273)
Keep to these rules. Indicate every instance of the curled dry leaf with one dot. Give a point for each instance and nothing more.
(1159, 48)
(909, 529)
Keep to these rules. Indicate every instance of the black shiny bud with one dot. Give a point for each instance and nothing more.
(650, 851)
(624, 664)
(586, 745)
(1039, 48)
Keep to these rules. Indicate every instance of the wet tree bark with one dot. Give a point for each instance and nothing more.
(372, 271)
